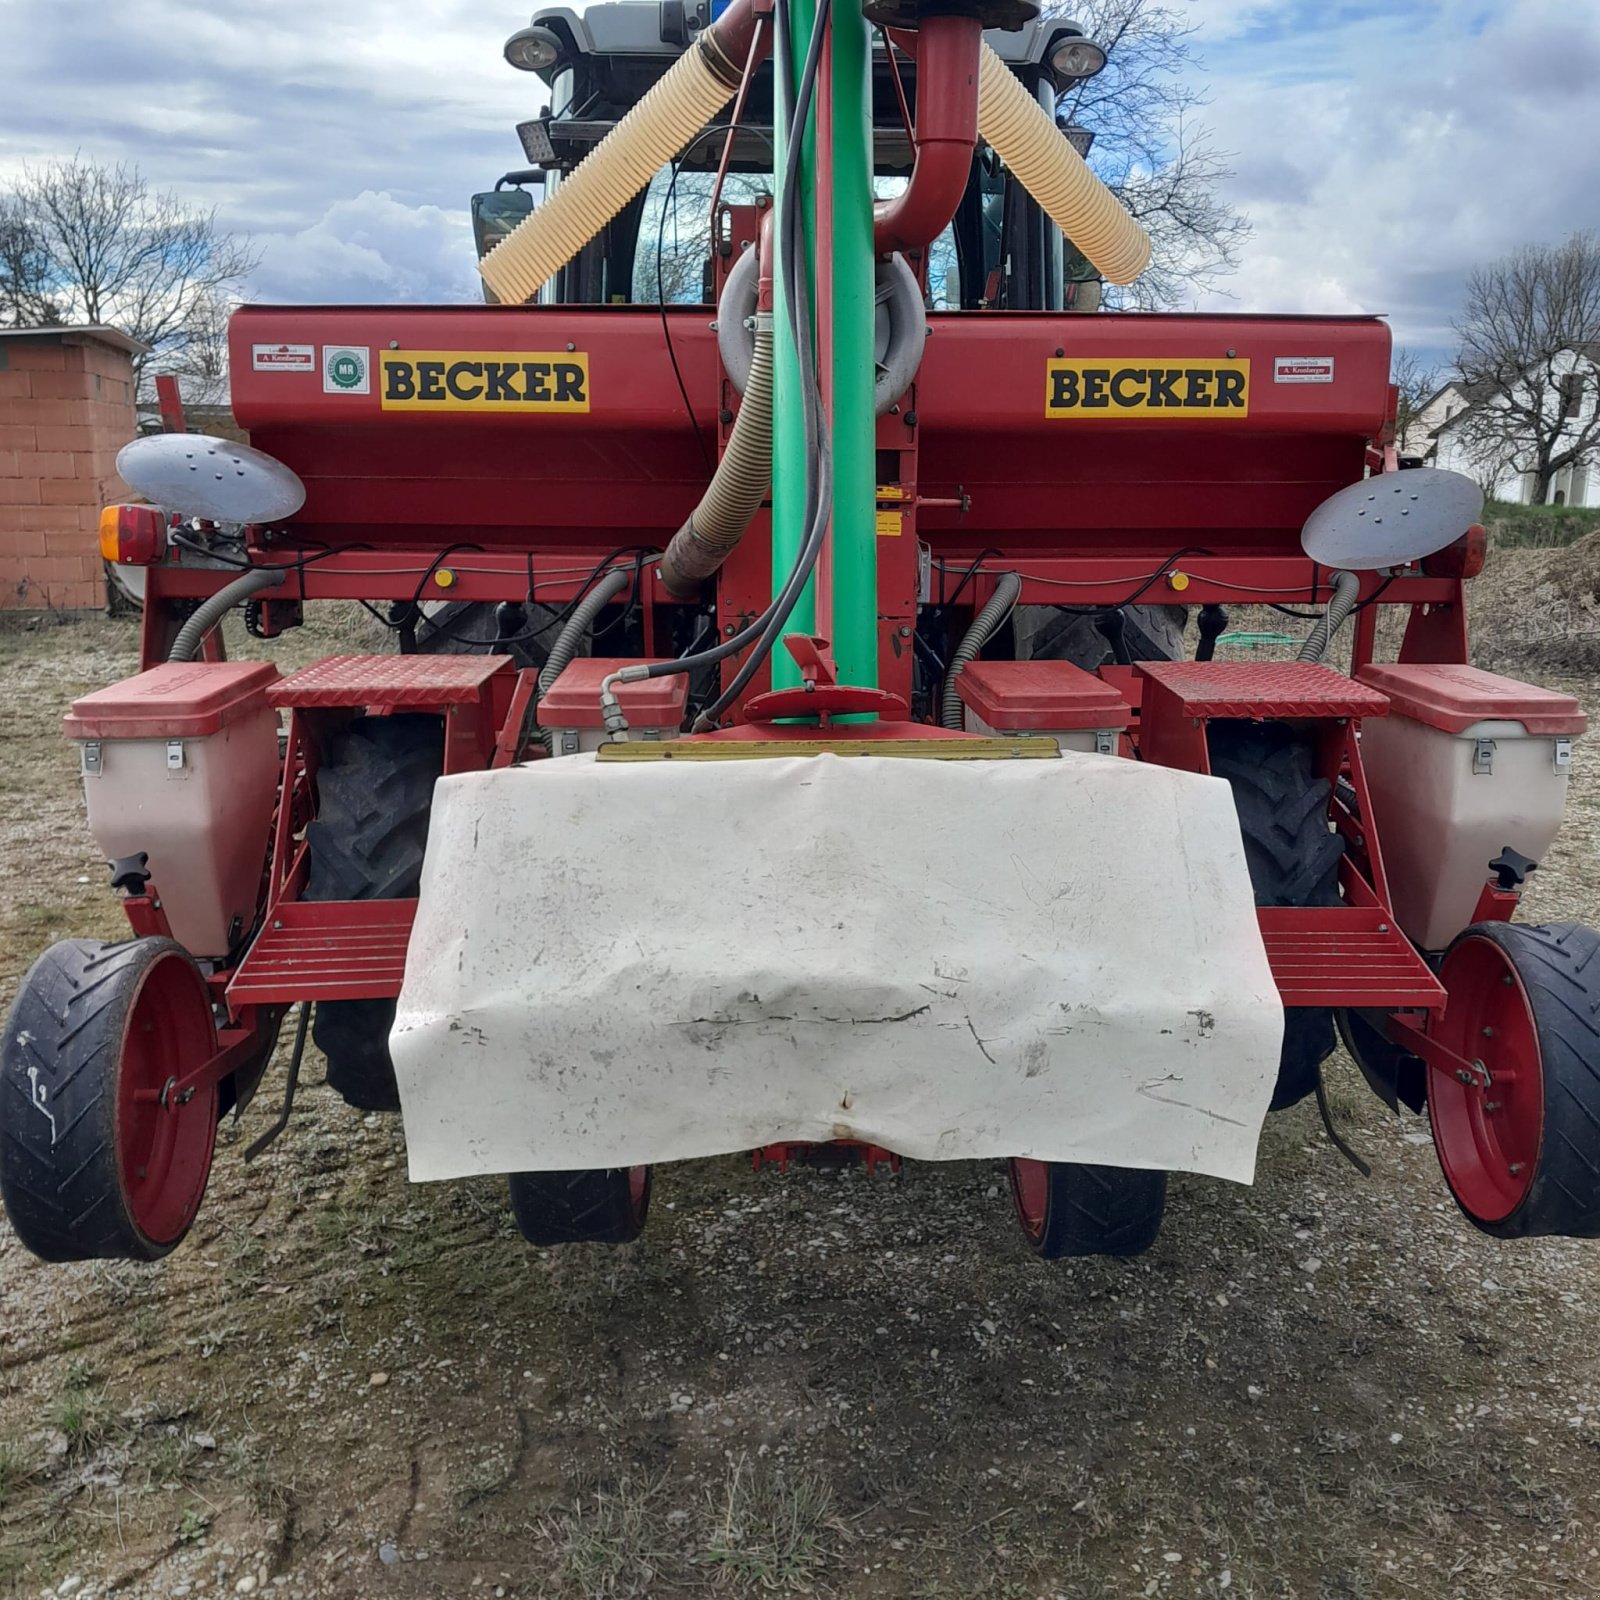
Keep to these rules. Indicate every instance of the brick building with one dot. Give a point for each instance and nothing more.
(66, 408)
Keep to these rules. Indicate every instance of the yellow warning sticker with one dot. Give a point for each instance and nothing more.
(480, 380)
(890, 524)
(1138, 387)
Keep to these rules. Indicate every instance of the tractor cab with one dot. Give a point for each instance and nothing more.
(1000, 250)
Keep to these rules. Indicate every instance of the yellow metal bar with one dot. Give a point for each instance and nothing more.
(899, 749)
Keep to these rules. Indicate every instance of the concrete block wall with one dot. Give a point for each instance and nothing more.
(66, 408)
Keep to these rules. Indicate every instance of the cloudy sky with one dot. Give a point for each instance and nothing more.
(1381, 147)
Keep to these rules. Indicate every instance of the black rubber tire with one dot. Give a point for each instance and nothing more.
(1397, 1077)
(60, 1179)
(1559, 965)
(1293, 857)
(594, 1206)
(375, 782)
(1093, 1210)
(468, 628)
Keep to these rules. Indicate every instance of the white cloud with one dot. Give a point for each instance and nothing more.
(1380, 162)
(371, 248)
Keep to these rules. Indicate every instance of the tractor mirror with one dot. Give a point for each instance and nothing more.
(494, 215)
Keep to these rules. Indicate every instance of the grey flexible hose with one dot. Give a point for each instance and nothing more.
(1006, 591)
(741, 482)
(578, 624)
(1346, 590)
(212, 611)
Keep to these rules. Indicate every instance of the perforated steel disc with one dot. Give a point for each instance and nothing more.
(1391, 519)
(199, 476)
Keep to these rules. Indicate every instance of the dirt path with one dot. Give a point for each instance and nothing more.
(345, 1386)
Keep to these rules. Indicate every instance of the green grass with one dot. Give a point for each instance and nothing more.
(773, 1528)
(82, 1410)
(14, 1470)
(610, 1543)
(1515, 527)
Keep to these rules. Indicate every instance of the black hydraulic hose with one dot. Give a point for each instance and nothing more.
(578, 624)
(212, 611)
(1346, 589)
(1007, 589)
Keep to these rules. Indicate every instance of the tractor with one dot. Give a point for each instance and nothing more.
(803, 734)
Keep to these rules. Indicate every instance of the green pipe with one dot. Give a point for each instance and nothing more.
(855, 548)
(788, 429)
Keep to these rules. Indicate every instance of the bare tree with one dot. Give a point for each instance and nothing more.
(25, 298)
(1152, 147)
(124, 254)
(1417, 383)
(1530, 336)
(200, 356)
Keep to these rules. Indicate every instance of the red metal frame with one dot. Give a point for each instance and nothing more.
(1166, 508)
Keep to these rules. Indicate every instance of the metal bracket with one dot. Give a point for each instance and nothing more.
(1563, 754)
(997, 749)
(174, 755)
(1482, 757)
(91, 757)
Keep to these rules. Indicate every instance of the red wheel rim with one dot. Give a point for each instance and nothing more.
(164, 1150)
(1030, 1189)
(639, 1191)
(1489, 1130)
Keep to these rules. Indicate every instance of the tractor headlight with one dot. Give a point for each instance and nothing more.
(1073, 58)
(533, 49)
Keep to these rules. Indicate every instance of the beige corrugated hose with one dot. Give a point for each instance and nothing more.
(740, 484)
(682, 102)
(1032, 147)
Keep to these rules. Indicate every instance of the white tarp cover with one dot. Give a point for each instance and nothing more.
(624, 963)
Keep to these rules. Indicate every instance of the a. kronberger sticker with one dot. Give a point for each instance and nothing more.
(1141, 387)
(1302, 369)
(346, 369)
(283, 357)
(483, 380)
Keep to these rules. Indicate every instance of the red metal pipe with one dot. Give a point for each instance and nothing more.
(946, 51)
(730, 45)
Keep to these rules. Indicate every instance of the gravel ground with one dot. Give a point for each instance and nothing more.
(830, 1383)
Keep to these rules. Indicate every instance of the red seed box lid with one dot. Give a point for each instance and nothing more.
(1452, 697)
(1017, 695)
(178, 700)
(573, 700)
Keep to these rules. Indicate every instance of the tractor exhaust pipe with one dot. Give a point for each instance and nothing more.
(699, 84)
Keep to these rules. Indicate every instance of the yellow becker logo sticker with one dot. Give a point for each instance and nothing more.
(479, 380)
(1176, 390)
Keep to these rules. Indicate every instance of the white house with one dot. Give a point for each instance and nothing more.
(1502, 468)
(1419, 438)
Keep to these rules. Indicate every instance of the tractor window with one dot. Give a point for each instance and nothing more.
(671, 263)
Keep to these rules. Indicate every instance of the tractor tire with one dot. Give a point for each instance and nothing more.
(597, 1205)
(1069, 1208)
(469, 628)
(1060, 633)
(375, 782)
(1293, 856)
(94, 1164)
(1521, 1153)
